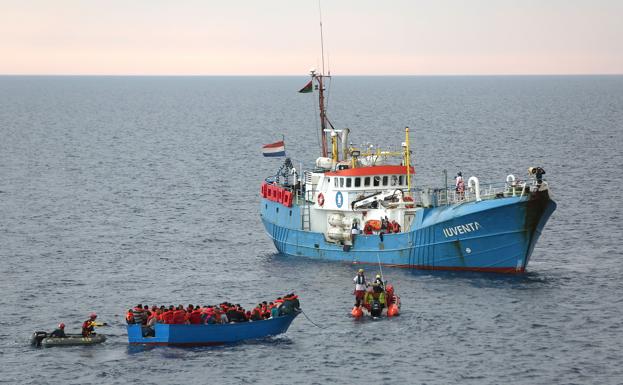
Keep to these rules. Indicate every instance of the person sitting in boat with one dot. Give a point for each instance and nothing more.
(210, 316)
(59, 332)
(149, 328)
(222, 317)
(295, 300)
(232, 314)
(242, 314)
(195, 316)
(179, 316)
(139, 314)
(256, 314)
(88, 326)
(167, 315)
(360, 286)
(274, 312)
(129, 317)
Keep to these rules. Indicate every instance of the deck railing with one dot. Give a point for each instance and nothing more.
(434, 197)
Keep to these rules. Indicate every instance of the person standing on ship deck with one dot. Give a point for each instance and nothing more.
(360, 287)
(459, 184)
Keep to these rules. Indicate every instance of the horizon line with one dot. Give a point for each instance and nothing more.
(291, 75)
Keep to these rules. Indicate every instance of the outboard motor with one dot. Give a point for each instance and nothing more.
(376, 308)
(37, 337)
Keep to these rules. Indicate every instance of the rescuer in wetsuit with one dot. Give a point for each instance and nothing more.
(59, 332)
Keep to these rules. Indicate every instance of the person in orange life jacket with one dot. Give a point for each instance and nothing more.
(158, 315)
(256, 314)
(367, 229)
(295, 300)
(222, 317)
(88, 326)
(265, 311)
(360, 287)
(167, 316)
(195, 316)
(59, 332)
(210, 316)
(396, 226)
(129, 317)
(179, 315)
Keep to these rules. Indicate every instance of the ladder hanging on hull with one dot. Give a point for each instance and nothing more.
(305, 213)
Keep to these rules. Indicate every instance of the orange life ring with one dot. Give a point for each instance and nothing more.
(320, 199)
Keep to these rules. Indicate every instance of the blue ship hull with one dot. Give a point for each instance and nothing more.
(496, 235)
(206, 335)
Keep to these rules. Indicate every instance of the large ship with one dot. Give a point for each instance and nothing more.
(360, 205)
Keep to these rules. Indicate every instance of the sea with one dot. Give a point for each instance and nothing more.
(116, 191)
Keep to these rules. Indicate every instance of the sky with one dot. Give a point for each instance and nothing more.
(282, 37)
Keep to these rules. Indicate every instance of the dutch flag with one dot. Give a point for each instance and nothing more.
(274, 149)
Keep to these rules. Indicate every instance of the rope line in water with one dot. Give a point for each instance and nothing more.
(313, 323)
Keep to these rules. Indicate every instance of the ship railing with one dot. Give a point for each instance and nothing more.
(434, 197)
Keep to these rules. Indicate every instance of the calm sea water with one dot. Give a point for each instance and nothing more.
(120, 190)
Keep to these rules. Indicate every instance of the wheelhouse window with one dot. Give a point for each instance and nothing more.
(341, 182)
(401, 180)
(348, 182)
(366, 181)
(357, 182)
(377, 181)
(385, 180)
(335, 182)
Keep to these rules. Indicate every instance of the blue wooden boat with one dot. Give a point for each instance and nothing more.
(206, 335)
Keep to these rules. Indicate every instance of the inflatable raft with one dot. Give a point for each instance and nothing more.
(41, 339)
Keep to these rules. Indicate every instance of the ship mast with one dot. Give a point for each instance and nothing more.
(319, 79)
(323, 112)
